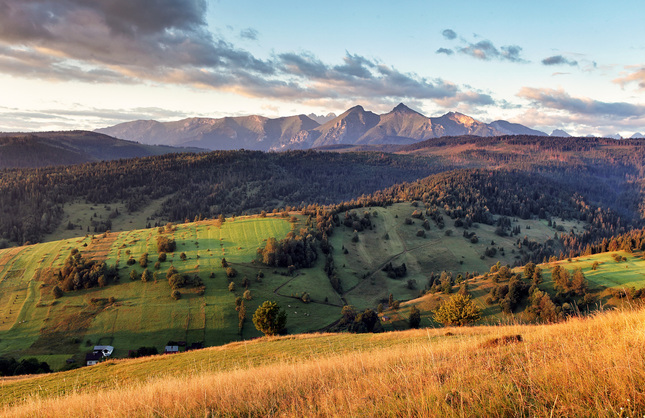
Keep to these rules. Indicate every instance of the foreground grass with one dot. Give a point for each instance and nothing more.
(583, 367)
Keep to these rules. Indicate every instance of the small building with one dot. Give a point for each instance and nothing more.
(196, 346)
(105, 350)
(171, 349)
(93, 358)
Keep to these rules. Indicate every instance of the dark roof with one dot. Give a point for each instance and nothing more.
(93, 356)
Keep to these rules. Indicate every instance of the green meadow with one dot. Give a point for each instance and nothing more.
(33, 323)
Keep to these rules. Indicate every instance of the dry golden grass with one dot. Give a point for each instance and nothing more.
(584, 367)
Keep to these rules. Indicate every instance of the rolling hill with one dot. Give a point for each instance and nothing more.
(582, 367)
(355, 126)
(43, 149)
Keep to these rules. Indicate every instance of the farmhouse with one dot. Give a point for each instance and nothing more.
(105, 350)
(93, 358)
(171, 349)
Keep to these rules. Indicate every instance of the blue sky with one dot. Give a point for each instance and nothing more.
(72, 64)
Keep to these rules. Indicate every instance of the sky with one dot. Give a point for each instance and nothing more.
(78, 64)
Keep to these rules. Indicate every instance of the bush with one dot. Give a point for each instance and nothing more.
(165, 244)
(143, 260)
(176, 294)
(247, 294)
(162, 257)
(231, 272)
(176, 281)
(458, 310)
(231, 287)
(415, 317)
(57, 292)
(269, 318)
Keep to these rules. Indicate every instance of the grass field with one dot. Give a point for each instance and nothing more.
(583, 367)
(608, 275)
(32, 323)
(144, 314)
(360, 269)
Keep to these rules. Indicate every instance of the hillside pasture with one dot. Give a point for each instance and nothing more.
(139, 314)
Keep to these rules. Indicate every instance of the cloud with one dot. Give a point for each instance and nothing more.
(559, 99)
(485, 50)
(449, 34)
(168, 41)
(559, 60)
(249, 33)
(637, 76)
(446, 51)
(577, 124)
(79, 118)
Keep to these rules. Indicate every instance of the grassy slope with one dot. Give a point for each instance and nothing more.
(360, 269)
(582, 367)
(32, 323)
(608, 275)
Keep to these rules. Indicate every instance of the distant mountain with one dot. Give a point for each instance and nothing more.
(560, 133)
(638, 135)
(356, 126)
(614, 136)
(249, 132)
(42, 149)
(508, 128)
(321, 119)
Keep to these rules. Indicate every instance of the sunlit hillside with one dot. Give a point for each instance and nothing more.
(583, 367)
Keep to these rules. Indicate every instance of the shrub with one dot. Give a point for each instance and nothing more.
(231, 272)
(269, 318)
(231, 287)
(161, 257)
(415, 317)
(57, 292)
(176, 281)
(143, 260)
(165, 244)
(247, 294)
(458, 310)
(176, 294)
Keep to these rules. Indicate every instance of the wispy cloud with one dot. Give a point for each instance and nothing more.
(449, 34)
(250, 34)
(446, 51)
(559, 60)
(635, 75)
(483, 50)
(559, 99)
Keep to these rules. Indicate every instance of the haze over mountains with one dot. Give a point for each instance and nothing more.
(402, 125)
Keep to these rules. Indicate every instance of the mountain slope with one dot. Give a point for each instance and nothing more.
(74, 147)
(248, 132)
(356, 126)
(345, 128)
(508, 128)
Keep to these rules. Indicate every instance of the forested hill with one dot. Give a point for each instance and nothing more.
(604, 173)
(43, 149)
(229, 182)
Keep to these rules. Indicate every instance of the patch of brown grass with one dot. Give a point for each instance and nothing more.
(583, 367)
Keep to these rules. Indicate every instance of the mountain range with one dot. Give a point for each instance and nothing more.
(355, 126)
(40, 149)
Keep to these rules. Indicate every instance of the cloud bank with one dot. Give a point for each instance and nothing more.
(168, 41)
